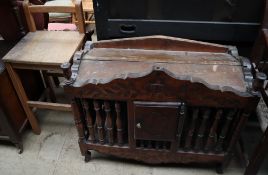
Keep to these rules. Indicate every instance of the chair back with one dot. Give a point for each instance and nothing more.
(75, 9)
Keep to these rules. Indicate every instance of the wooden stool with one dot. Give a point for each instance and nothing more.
(45, 51)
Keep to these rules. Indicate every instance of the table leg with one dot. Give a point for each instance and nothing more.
(23, 98)
(49, 85)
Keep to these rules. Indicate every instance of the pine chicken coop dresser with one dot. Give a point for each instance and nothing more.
(161, 99)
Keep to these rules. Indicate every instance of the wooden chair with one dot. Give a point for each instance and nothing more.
(45, 51)
(259, 58)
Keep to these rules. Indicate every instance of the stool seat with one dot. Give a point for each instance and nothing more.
(47, 48)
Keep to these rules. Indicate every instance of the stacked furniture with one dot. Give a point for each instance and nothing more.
(161, 99)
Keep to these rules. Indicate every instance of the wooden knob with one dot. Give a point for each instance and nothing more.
(259, 81)
(138, 125)
(66, 70)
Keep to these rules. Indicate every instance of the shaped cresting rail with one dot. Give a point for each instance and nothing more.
(70, 71)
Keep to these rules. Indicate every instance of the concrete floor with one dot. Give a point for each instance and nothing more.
(56, 152)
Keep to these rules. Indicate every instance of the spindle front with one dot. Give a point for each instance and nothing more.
(161, 99)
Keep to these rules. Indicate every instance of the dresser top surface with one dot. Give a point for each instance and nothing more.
(218, 70)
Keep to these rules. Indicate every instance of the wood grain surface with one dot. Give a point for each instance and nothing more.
(42, 47)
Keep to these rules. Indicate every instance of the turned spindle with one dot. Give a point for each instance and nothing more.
(200, 135)
(188, 143)
(229, 118)
(109, 122)
(77, 118)
(89, 120)
(212, 137)
(119, 124)
(182, 115)
(99, 121)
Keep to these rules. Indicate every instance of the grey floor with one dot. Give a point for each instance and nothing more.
(56, 151)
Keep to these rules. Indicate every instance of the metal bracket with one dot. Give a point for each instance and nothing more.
(77, 58)
(248, 76)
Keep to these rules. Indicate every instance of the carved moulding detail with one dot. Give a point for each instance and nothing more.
(156, 67)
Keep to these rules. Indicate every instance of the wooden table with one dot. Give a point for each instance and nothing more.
(41, 50)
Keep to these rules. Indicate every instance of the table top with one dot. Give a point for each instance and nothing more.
(45, 48)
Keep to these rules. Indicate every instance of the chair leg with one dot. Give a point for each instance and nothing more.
(49, 85)
(239, 151)
(258, 156)
(56, 81)
(23, 98)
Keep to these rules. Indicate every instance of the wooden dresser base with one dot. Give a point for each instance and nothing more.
(160, 100)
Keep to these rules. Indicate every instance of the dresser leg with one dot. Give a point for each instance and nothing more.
(19, 146)
(87, 156)
(219, 168)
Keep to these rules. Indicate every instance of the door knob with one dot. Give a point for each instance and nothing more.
(138, 125)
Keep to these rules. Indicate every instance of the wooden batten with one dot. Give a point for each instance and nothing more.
(162, 43)
(48, 9)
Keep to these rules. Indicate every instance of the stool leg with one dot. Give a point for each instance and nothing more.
(23, 98)
(49, 85)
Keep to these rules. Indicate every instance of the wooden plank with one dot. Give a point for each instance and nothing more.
(23, 98)
(47, 9)
(160, 56)
(162, 43)
(35, 66)
(48, 105)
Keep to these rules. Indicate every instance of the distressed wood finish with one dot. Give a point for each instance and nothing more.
(43, 47)
(159, 116)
